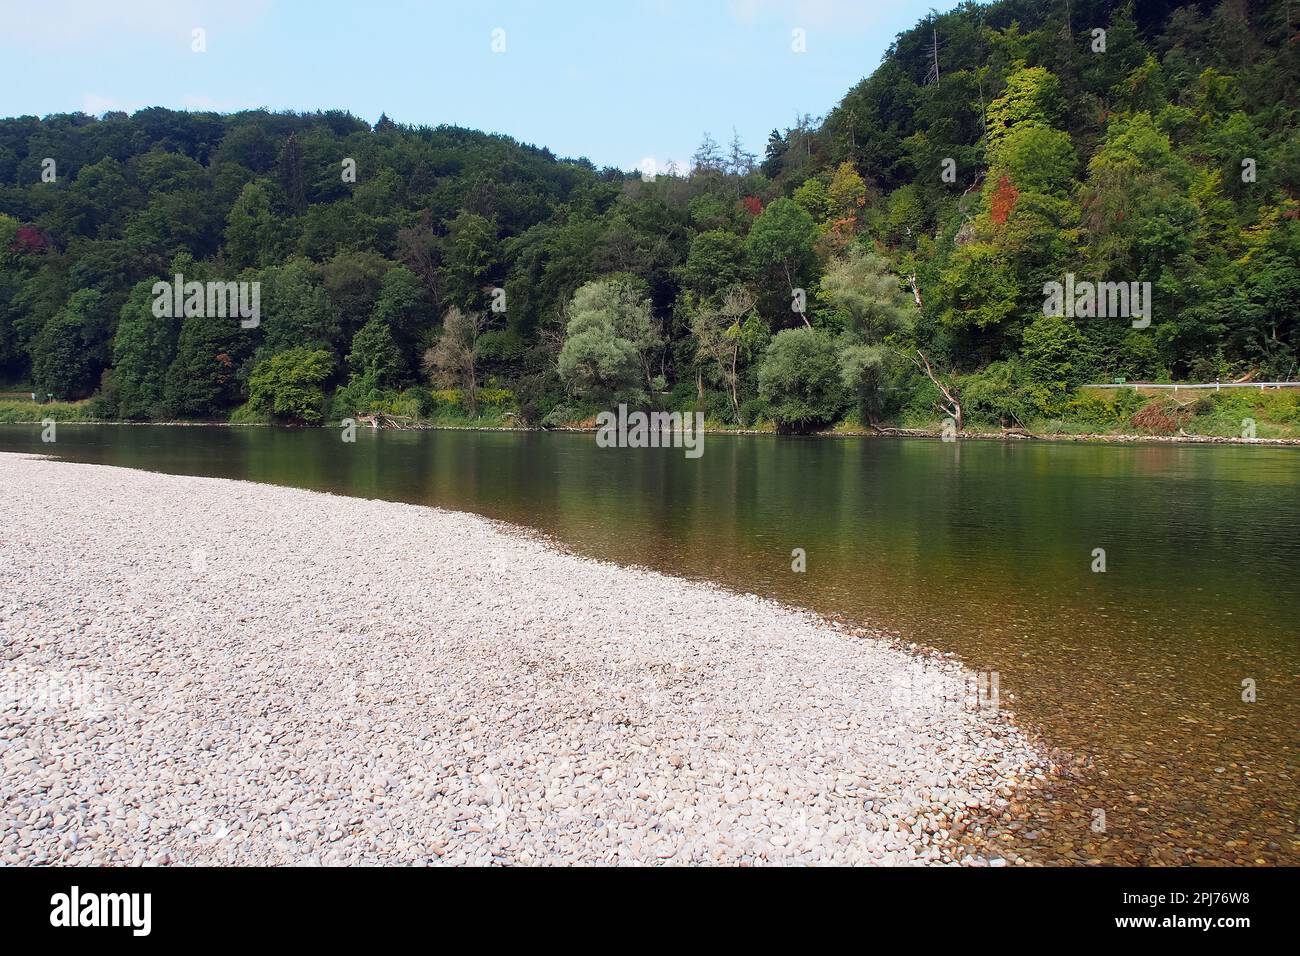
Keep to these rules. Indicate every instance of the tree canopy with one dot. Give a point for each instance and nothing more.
(922, 212)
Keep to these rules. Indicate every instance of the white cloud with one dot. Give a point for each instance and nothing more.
(839, 14)
(207, 104)
(96, 104)
(59, 24)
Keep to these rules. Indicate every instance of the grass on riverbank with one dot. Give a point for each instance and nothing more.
(14, 411)
(1235, 414)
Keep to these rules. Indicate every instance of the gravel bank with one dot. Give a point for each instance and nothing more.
(197, 670)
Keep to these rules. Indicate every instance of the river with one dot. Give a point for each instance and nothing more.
(1141, 675)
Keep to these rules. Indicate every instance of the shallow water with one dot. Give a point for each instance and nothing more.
(981, 548)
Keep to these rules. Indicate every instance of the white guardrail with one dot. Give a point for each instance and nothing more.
(1214, 385)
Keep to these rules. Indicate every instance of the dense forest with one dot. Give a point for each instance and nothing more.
(884, 264)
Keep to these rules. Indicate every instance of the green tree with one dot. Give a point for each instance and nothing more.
(471, 260)
(404, 307)
(1032, 96)
(254, 234)
(453, 360)
(811, 195)
(716, 261)
(60, 362)
(374, 356)
(860, 286)
(800, 377)
(203, 381)
(143, 348)
(727, 336)
(296, 309)
(609, 340)
(288, 386)
(780, 246)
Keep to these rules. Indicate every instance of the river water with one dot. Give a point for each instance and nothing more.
(1136, 674)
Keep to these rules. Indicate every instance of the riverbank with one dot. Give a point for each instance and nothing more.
(208, 671)
(1094, 414)
(967, 435)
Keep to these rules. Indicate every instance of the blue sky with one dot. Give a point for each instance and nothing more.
(614, 81)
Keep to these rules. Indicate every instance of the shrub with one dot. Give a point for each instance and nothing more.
(246, 414)
(754, 411)
(562, 416)
(684, 395)
(105, 405)
(288, 386)
(359, 397)
(538, 394)
(446, 398)
(717, 406)
(799, 377)
(995, 395)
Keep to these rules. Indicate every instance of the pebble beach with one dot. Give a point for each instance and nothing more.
(205, 671)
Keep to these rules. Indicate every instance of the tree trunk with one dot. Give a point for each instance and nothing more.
(731, 381)
(916, 290)
(953, 407)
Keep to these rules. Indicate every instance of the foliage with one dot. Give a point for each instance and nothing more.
(800, 379)
(288, 386)
(916, 215)
(454, 360)
(608, 341)
(14, 412)
(60, 365)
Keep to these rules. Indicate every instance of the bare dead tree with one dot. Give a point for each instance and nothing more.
(916, 289)
(952, 408)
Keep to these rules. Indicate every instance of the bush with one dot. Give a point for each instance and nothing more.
(360, 396)
(1275, 413)
(538, 395)
(995, 396)
(755, 411)
(716, 406)
(288, 386)
(446, 398)
(799, 377)
(562, 416)
(246, 414)
(1126, 402)
(105, 405)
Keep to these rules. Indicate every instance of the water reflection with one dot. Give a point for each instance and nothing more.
(982, 548)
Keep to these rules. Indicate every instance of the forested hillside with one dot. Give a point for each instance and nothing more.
(884, 264)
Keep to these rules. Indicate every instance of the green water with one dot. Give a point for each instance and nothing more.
(980, 548)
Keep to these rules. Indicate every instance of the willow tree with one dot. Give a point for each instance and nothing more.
(453, 361)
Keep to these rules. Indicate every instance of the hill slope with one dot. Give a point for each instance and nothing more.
(996, 150)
